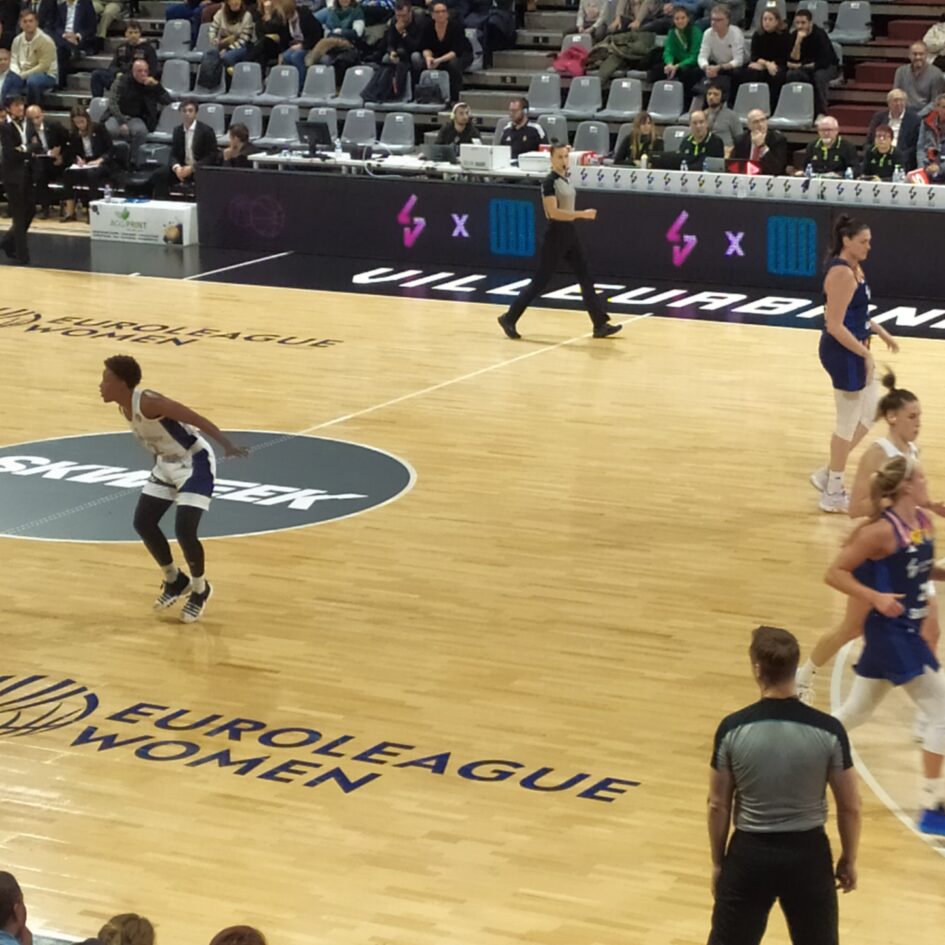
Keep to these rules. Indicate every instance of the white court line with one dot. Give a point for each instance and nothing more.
(103, 500)
(864, 772)
(249, 262)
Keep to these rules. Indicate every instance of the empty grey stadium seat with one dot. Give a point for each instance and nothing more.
(168, 120)
(398, 135)
(544, 93)
(666, 102)
(854, 23)
(360, 127)
(318, 88)
(584, 97)
(592, 136)
(282, 129)
(200, 47)
(212, 114)
(624, 101)
(98, 107)
(328, 116)
(246, 84)
(251, 116)
(175, 39)
(752, 95)
(673, 137)
(795, 106)
(556, 128)
(282, 85)
(353, 84)
(175, 77)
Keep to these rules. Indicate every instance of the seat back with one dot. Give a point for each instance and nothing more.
(175, 76)
(169, 119)
(673, 137)
(251, 116)
(215, 92)
(499, 129)
(360, 126)
(476, 45)
(592, 136)
(555, 127)
(778, 6)
(355, 80)
(283, 82)
(203, 39)
(854, 23)
(626, 96)
(795, 106)
(818, 9)
(326, 115)
(577, 39)
(399, 130)
(584, 96)
(666, 101)
(283, 123)
(247, 80)
(212, 114)
(440, 78)
(544, 92)
(174, 39)
(319, 83)
(97, 109)
(752, 95)
(623, 131)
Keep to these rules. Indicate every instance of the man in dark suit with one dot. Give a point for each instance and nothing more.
(907, 120)
(16, 137)
(193, 144)
(50, 142)
(762, 145)
(73, 33)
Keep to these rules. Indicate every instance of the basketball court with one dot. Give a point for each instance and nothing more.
(479, 607)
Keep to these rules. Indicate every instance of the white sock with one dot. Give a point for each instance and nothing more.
(170, 573)
(834, 482)
(805, 673)
(200, 583)
(933, 793)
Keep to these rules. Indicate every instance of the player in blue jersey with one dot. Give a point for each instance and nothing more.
(887, 564)
(845, 353)
(184, 468)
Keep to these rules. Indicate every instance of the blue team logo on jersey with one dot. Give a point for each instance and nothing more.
(85, 488)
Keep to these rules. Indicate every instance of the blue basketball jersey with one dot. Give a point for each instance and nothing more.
(894, 649)
(857, 315)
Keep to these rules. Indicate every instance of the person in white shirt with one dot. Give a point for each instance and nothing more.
(33, 66)
(722, 52)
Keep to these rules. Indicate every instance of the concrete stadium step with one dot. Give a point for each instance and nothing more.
(853, 116)
(880, 73)
(510, 79)
(530, 39)
(519, 60)
(857, 92)
(910, 30)
(560, 22)
(486, 100)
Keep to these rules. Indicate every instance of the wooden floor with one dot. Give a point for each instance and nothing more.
(594, 531)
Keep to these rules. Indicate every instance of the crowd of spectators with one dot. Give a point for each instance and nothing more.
(126, 929)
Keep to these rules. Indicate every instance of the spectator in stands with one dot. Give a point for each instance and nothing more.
(920, 80)
(238, 935)
(90, 151)
(830, 155)
(630, 14)
(134, 47)
(637, 148)
(107, 12)
(521, 135)
(812, 58)
(460, 129)
(50, 144)
(762, 145)
(767, 60)
(680, 54)
(134, 103)
(722, 120)
(660, 17)
(232, 35)
(4, 65)
(344, 26)
(272, 33)
(722, 52)
(494, 22)
(881, 159)
(700, 143)
(13, 928)
(929, 153)
(404, 39)
(903, 121)
(73, 33)
(592, 18)
(188, 10)
(304, 32)
(127, 929)
(33, 65)
(193, 145)
(445, 46)
(934, 40)
(237, 152)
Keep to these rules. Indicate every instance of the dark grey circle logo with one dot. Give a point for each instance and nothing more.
(84, 488)
(32, 704)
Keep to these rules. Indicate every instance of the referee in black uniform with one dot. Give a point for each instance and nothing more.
(774, 759)
(16, 140)
(560, 242)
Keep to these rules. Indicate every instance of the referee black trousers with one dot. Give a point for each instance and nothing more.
(560, 243)
(762, 868)
(22, 205)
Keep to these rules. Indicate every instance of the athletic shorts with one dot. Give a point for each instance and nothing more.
(188, 481)
(847, 370)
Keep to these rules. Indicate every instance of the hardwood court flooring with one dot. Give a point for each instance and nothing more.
(594, 530)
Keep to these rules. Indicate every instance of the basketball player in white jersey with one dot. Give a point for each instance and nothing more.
(903, 414)
(184, 468)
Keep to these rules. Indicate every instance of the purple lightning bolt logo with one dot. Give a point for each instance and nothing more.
(675, 236)
(413, 226)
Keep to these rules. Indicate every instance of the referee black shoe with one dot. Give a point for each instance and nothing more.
(508, 327)
(172, 591)
(606, 330)
(196, 605)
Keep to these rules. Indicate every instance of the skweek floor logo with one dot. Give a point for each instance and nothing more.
(260, 750)
(84, 488)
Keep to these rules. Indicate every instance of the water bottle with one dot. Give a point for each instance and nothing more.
(107, 193)
(683, 166)
(898, 174)
(337, 149)
(848, 174)
(809, 171)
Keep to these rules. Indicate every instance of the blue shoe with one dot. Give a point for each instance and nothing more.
(933, 821)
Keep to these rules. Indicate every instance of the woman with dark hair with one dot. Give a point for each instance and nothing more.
(444, 46)
(232, 32)
(304, 32)
(90, 148)
(881, 159)
(680, 54)
(767, 59)
(638, 147)
(237, 152)
(845, 353)
(272, 34)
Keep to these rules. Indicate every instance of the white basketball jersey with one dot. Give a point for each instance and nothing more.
(166, 439)
(892, 451)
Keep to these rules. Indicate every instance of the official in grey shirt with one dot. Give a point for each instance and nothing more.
(771, 764)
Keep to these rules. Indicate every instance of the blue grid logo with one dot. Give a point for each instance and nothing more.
(792, 246)
(511, 227)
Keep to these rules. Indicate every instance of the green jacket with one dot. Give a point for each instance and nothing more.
(682, 50)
